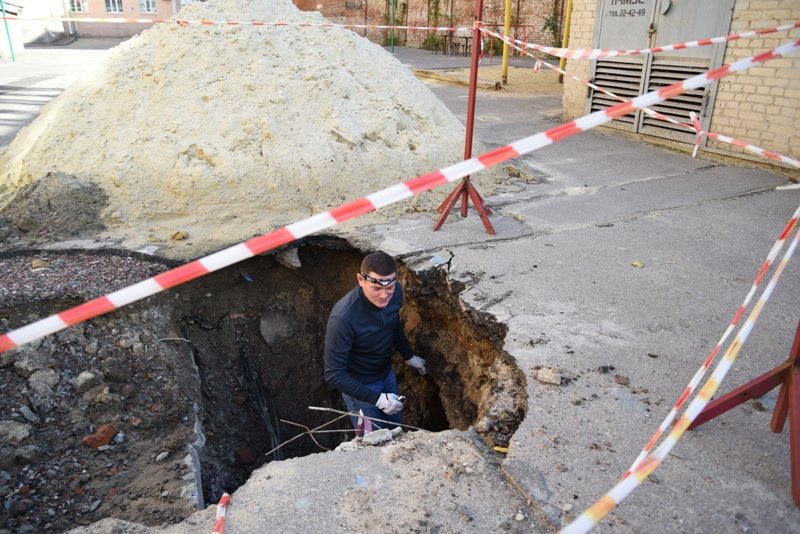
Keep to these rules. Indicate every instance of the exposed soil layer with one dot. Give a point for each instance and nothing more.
(58, 392)
(57, 207)
(210, 381)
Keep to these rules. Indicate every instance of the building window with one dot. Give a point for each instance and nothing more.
(184, 2)
(79, 6)
(148, 6)
(113, 6)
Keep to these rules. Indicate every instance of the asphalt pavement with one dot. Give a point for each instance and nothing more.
(620, 266)
(40, 74)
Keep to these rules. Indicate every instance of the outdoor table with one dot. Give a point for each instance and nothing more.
(466, 44)
(448, 42)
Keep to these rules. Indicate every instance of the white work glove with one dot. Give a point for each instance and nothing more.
(417, 363)
(388, 404)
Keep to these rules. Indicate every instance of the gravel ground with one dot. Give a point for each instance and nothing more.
(112, 372)
(41, 276)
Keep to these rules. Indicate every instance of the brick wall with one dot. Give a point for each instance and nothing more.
(760, 106)
(580, 36)
(529, 16)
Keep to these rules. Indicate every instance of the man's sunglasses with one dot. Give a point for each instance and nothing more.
(385, 282)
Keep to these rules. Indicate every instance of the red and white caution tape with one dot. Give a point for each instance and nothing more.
(206, 22)
(694, 127)
(222, 507)
(763, 152)
(592, 53)
(364, 425)
(698, 129)
(599, 53)
(375, 201)
(698, 376)
(650, 462)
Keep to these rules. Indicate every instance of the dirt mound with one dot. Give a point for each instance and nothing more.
(57, 206)
(221, 133)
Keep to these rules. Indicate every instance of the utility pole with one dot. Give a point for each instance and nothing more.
(506, 32)
(393, 3)
(565, 39)
(8, 33)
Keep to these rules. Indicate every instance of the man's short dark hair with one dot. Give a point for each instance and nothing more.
(379, 263)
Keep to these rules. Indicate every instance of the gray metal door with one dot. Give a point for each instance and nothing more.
(648, 23)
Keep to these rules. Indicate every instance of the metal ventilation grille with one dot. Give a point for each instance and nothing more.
(664, 72)
(623, 78)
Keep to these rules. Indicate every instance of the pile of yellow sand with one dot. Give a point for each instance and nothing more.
(221, 133)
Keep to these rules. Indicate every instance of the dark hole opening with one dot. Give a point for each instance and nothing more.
(257, 330)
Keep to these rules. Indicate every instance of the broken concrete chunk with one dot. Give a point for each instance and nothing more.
(85, 381)
(29, 362)
(347, 446)
(13, 433)
(289, 258)
(549, 376)
(7, 358)
(379, 436)
(41, 396)
(29, 454)
(44, 376)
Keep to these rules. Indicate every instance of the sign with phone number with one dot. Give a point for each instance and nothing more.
(641, 12)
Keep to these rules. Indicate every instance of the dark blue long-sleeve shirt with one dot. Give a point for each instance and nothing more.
(359, 343)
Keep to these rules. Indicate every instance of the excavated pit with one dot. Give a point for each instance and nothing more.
(228, 366)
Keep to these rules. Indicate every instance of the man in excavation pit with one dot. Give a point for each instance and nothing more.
(364, 329)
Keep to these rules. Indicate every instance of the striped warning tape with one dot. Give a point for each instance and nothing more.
(690, 388)
(369, 203)
(222, 507)
(698, 129)
(207, 22)
(603, 506)
(592, 53)
(694, 127)
(598, 53)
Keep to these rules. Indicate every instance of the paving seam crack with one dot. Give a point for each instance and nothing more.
(534, 508)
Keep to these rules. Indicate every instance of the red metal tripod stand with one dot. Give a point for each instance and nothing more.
(466, 191)
(786, 375)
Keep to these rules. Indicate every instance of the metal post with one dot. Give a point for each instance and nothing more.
(465, 190)
(473, 79)
(393, 3)
(8, 33)
(71, 24)
(565, 39)
(366, 12)
(506, 33)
